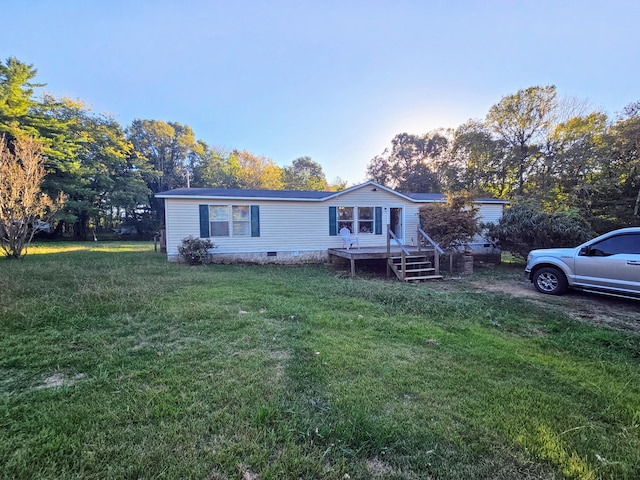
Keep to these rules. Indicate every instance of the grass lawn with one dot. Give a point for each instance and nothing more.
(117, 364)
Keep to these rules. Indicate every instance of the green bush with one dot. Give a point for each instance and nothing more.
(194, 250)
(451, 224)
(523, 228)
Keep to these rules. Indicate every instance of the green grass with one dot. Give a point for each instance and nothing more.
(117, 364)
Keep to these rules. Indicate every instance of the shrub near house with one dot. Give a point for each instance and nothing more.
(451, 224)
(194, 250)
(523, 228)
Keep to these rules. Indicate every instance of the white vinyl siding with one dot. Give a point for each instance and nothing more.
(490, 213)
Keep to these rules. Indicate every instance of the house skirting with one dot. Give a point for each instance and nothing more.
(263, 258)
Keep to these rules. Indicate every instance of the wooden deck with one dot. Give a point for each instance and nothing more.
(365, 253)
(408, 263)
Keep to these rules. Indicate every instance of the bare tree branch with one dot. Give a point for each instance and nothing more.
(22, 203)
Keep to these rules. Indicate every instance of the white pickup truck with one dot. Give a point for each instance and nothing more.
(608, 264)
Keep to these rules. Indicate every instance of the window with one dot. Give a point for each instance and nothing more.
(345, 218)
(357, 219)
(219, 221)
(241, 217)
(365, 219)
(625, 243)
(229, 221)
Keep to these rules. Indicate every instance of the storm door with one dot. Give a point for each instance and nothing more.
(396, 222)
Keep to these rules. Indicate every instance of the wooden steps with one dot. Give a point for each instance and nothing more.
(417, 268)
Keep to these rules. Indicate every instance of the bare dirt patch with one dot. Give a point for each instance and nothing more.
(378, 469)
(611, 312)
(59, 380)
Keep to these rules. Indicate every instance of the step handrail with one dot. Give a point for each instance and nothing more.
(435, 245)
(403, 251)
(391, 235)
(437, 249)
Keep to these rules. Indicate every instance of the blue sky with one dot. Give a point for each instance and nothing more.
(333, 80)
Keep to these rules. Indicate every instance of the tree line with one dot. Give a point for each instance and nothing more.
(109, 173)
(555, 155)
(532, 147)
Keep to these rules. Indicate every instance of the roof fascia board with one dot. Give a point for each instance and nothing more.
(365, 184)
(244, 198)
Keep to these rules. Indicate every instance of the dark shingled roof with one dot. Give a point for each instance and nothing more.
(309, 195)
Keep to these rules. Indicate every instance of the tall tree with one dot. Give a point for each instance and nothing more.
(256, 172)
(479, 157)
(165, 146)
(16, 98)
(412, 163)
(338, 185)
(161, 150)
(522, 121)
(110, 184)
(54, 122)
(572, 159)
(212, 168)
(25, 114)
(22, 203)
(304, 174)
(620, 177)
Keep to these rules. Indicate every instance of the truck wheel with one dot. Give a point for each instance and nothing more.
(550, 280)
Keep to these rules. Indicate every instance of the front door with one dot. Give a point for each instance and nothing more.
(396, 223)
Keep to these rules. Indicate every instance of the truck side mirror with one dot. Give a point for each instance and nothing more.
(585, 251)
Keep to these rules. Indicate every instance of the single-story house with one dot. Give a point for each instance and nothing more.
(275, 226)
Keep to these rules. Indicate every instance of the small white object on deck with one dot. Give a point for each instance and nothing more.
(349, 239)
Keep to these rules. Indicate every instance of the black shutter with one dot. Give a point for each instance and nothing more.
(255, 220)
(333, 224)
(204, 221)
(378, 220)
